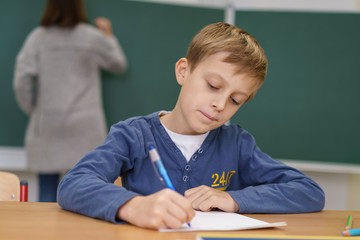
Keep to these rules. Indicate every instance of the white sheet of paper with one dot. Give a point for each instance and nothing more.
(222, 221)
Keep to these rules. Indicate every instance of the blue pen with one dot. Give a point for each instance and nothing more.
(160, 169)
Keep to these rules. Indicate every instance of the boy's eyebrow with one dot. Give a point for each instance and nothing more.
(217, 75)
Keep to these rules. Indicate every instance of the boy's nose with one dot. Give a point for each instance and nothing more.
(219, 103)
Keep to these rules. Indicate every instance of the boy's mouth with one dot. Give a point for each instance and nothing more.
(208, 116)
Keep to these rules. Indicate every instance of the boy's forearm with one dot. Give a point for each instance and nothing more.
(78, 194)
(294, 197)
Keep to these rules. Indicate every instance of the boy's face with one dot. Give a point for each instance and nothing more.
(210, 94)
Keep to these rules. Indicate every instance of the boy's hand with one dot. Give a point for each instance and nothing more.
(104, 25)
(164, 209)
(205, 198)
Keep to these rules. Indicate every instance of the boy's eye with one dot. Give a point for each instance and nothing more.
(212, 86)
(234, 101)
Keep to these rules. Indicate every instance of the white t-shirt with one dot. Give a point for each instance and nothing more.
(188, 144)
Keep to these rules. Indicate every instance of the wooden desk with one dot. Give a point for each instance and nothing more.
(30, 220)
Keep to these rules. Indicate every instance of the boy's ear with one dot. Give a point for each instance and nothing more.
(181, 67)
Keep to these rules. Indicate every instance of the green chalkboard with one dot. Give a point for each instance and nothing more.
(308, 107)
(17, 19)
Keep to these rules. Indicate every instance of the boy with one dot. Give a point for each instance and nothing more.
(211, 165)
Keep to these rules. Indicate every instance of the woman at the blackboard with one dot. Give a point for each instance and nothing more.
(57, 83)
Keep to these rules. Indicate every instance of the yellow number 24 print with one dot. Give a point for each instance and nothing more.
(221, 183)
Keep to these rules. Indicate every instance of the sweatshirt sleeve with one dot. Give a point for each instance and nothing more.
(272, 186)
(26, 71)
(88, 188)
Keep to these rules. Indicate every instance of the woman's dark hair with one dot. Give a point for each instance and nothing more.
(63, 13)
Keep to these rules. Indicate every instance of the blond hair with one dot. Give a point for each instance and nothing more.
(244, 50)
